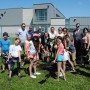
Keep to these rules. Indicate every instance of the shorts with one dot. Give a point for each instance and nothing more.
(4, 58)
(59, 58)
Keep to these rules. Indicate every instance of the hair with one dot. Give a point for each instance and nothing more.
(77, 24)
(67, 36)
(59, 37)
(85, 29)
(60, 28)
(65, 28)
(23, 24)
(52, 27)
(18, 39)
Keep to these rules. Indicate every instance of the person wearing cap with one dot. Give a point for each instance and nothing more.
(4, 49)
(22, 34)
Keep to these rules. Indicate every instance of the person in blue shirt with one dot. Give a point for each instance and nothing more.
(4, 49)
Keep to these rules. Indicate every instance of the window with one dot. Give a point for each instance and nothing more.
(41, 15)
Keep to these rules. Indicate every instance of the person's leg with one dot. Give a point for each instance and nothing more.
(35, 63)
(74, 58)
(70, 62)
(30, 68)
(18, 67)
(11, 68)
(62, 71)
(58, 69)
(64, 65)
(3, 65)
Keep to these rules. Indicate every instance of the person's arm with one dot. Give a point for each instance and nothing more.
(88, 39)
(0, 51)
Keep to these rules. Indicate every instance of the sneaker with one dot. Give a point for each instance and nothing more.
(32, 76)
(60, 74)
(9, 79)
(37, 73)
(3, 71)
(19, 77)
(73, 71)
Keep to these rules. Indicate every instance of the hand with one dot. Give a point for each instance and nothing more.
(53, 61)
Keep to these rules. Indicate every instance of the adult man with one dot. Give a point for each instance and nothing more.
(22, 34)
(30, 31)
(52, 36)
(77, 35)
(4, 49)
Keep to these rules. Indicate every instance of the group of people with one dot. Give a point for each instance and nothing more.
(50, 47)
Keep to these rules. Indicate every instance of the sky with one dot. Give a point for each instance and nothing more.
(69, 8)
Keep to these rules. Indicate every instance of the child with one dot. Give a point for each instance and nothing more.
(4, 44)
(14, 56)
(70, 47)
(59, 57)
(32, 54)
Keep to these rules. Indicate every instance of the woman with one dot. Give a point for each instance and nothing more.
(85, 45)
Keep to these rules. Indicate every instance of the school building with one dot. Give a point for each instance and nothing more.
(45, 15)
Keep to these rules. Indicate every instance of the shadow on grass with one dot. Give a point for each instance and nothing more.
(51, 73)
(15, 72)
(81, 72)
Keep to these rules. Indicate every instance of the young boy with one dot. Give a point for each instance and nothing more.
(70, 47)
(4, 49)
(14, 56)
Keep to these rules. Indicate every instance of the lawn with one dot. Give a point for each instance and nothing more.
(46, 81)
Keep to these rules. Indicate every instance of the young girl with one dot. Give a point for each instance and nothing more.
(59, 57)
(32, 54)
(14, 56)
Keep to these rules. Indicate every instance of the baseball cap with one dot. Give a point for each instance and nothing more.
(5, 34)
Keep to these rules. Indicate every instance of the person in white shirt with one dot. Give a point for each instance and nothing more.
(22, 34)
(52, 36)
(60, 32)
(14, 56)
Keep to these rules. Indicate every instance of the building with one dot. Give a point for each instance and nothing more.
(45, 15)
(84, 22)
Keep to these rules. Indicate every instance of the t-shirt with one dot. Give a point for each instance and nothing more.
(4, 44)
(71, 46)
(14, 49)
(32, 47)
(61, 35)
(30, 33)
(52, 35)
(22, 35)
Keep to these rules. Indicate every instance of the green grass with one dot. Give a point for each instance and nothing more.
(78, 81)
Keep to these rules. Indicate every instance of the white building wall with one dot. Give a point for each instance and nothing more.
(27, 16)
(56, 23)
(84, 22)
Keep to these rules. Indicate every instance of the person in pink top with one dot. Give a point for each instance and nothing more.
(86, 38)
(59, 57)
(85, 46)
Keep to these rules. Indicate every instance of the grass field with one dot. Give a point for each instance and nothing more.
(46, 81)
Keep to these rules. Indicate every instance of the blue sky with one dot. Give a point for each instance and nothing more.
(69, 8)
